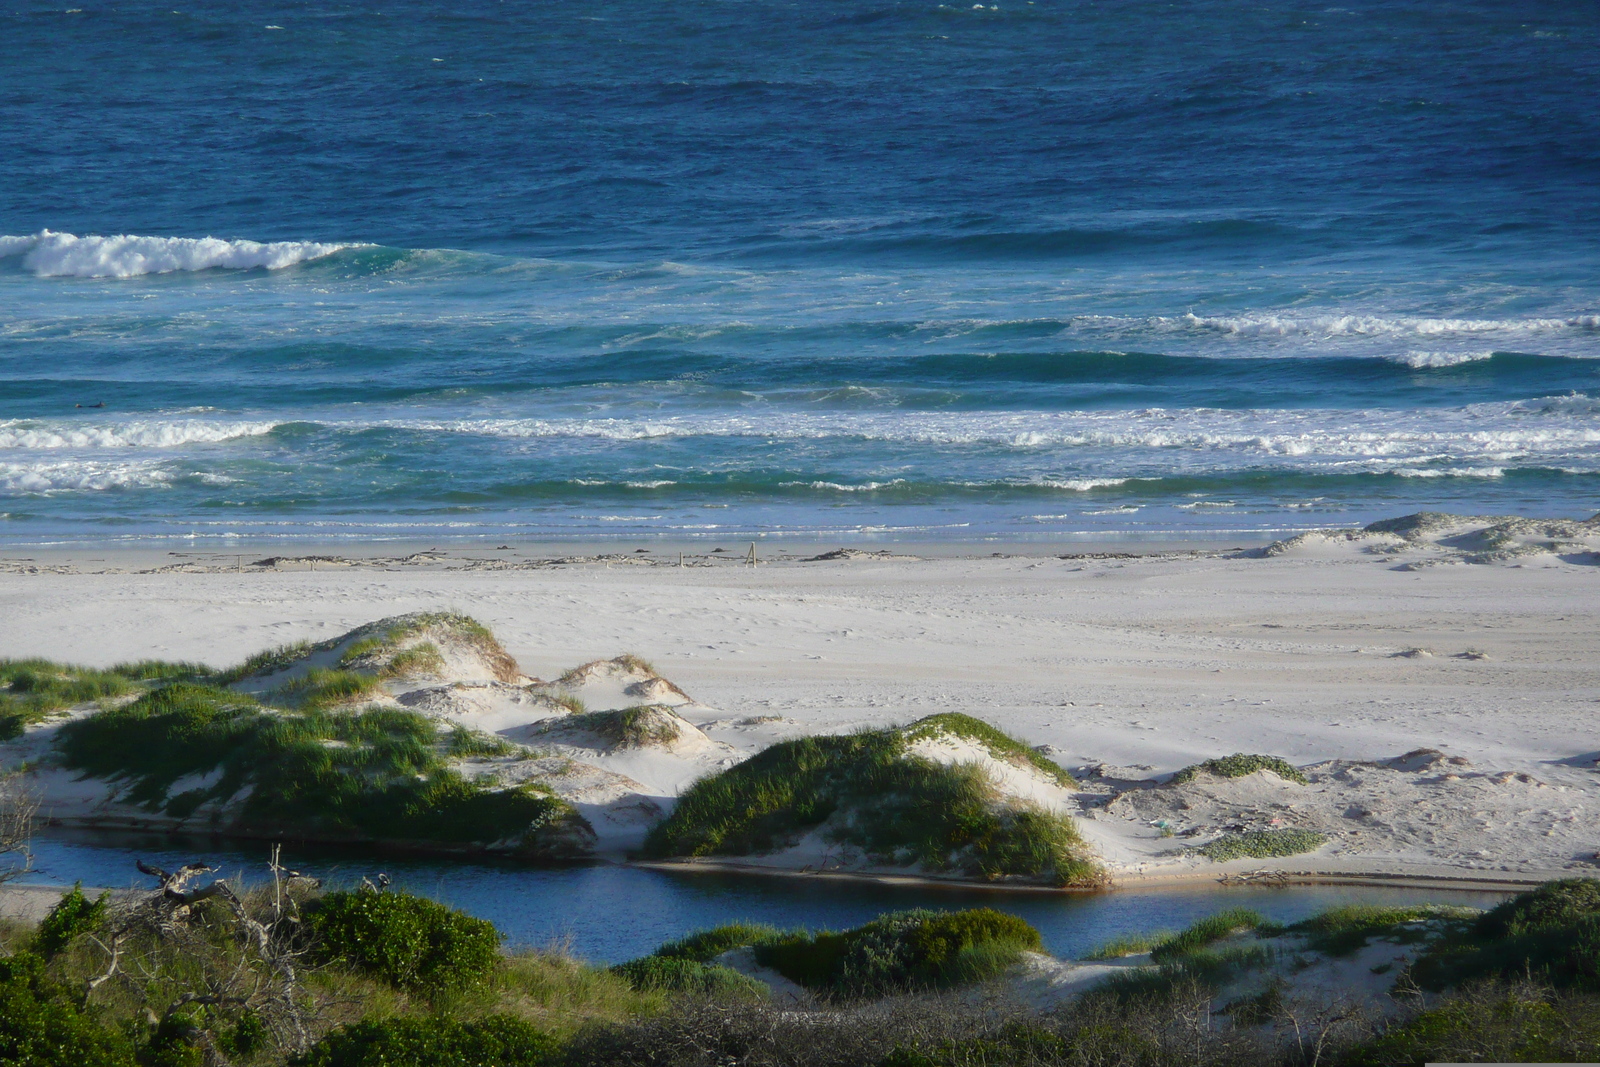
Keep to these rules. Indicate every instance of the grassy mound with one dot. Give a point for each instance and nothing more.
(438, 1041)
(379, 774)
(871, 793)
(901, 952)
(401, 647)
(636, 727)
(1240, 764)
(32, 689)
(1262, 844)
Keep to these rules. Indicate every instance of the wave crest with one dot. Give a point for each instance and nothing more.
(51, 254)
(140, 434)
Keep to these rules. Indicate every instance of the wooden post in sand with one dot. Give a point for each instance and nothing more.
(751, 558)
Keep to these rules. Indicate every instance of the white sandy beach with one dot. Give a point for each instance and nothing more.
(1127, 667)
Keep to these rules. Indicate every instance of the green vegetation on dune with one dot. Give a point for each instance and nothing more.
(895, 953)
(408, 941)
(871, 793)
(33, 689)
(636, 727)
(1000, 745)
(671, 975)
(1551, 933)
(1343, 930)
(1262, 844)
(1240, 764)
(436, 1041)
(1207, 932)
(270, 661)
(379, 773)
(322, 687)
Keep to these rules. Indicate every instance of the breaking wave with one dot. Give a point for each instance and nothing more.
(51, 254)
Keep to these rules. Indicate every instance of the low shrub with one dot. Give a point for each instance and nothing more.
(436, 1041)
(1240, 764)
(1520, 1024)
(73, 914)
(408, 941)
(43, 1025)
(677, 975)
(1262, 844)
(1551, 933)
(902, 951)
(900, 809)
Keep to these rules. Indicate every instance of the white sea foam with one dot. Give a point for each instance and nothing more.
(31, 478)
(144, 433)
(1428, 360)
(52, 254)
(1269, 324)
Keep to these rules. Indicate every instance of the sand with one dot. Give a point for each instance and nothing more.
(1359, 649)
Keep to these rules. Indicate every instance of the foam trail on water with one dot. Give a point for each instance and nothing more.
(51, 254)
(139, 434)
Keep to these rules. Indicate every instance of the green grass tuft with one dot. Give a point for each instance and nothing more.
(1207, 932)
(1240, 764)
(898, 808)
(706, 945)
(1344, 930)
(270, 661)
(1262, 844)
(322, 687)
(1129, 945)
(675, 975)
(629, 728)
(31, 690)
(1000, 744)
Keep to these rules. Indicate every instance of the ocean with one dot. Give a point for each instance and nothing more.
(840, 270)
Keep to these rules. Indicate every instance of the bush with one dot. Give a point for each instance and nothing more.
(1001, 745)
(1240, 764)
(409, 941)
(73, 914)
(1552, 905)
(41, 1024)
(633, 727)
(381, 773)
(1493, 1025)
(495, 1041)
(1341, 931)
(899, 808)
(1551, 933)
(1262, 844)
(901, 951)
(676, 975)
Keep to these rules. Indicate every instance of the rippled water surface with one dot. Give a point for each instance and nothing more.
(1031, 269)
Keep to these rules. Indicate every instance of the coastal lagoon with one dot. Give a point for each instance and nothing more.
(611, 913)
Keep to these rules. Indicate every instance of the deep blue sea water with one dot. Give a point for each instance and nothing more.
(839, 268)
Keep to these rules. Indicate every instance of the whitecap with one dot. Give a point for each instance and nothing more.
(145, 433)
(51, 254)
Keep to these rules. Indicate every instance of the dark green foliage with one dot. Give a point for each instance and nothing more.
(899, 808)
(31, 689)
(707, 945)
(690, 976)
(1001, 745)
(495, 1041)
(1552, 905)
(41, 1024)
(1518, 1025)
(1551, 933)
(73, 914)
(1341, 931)
(902, 951)
(379, 773)
(1262, 844)
(410, 941)
(1207, 932)
(175, 1043)
(246, 1037)
(1240, 764)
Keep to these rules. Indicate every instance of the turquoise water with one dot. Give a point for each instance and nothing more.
(868, 269)
(608, 914)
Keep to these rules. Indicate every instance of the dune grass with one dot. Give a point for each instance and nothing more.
(1001, 745)
(1240, 764)
(379, 773)
(633, 727)
(1207, 932)
(31, 690)
(706, 945)
(1129, 945)
(325, 687)
(900, 809)
(1347, 929)
(1262, 844)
